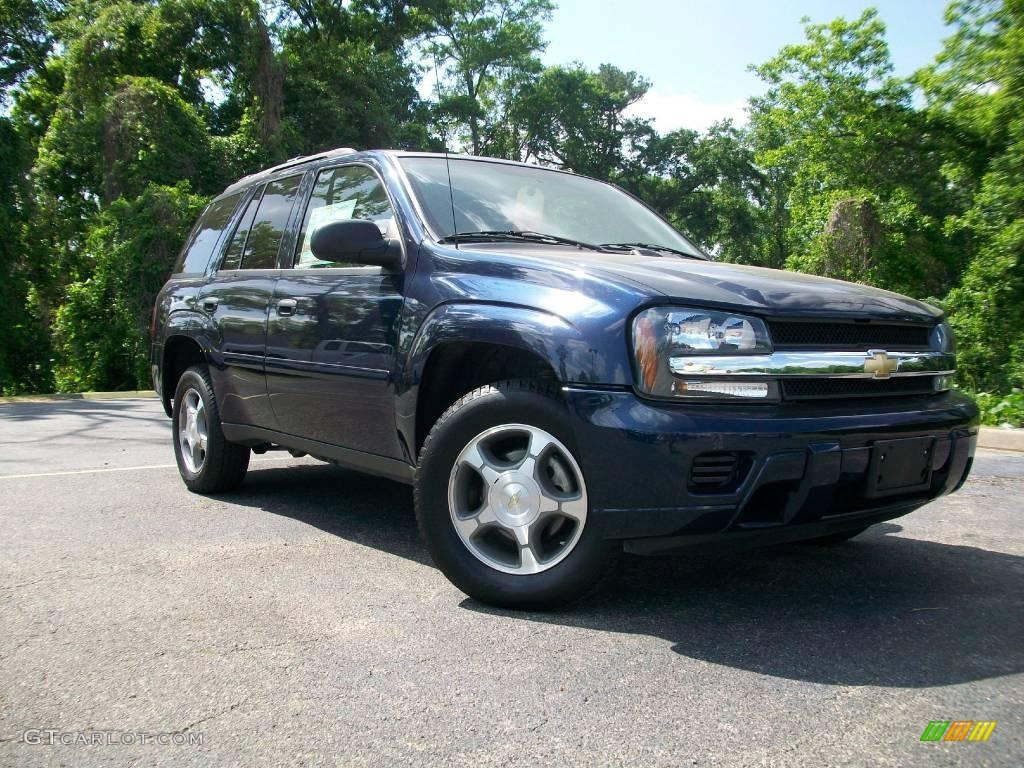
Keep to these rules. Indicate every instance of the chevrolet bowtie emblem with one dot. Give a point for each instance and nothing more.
(880, 364)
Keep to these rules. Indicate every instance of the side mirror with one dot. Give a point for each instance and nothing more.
(355, 240)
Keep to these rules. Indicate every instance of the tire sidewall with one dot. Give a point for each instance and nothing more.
(581, 569)
(191, 379)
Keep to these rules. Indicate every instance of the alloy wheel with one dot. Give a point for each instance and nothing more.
(517, 499)
(193, 433)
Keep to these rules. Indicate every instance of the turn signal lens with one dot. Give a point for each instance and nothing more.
(645, 343)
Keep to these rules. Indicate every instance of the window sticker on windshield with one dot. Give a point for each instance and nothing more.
(325, 214)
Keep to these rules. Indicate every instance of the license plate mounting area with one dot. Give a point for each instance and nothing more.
(902, 466)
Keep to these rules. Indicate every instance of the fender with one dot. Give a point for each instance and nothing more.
(182, 322)
(552, 338)
(200, 328)
(179, 323)
(547, 335)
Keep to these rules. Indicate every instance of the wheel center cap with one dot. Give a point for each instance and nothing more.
(515, 499)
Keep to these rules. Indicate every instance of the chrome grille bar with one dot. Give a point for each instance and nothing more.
(873, 364)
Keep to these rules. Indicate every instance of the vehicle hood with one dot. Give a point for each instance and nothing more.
(773, 290)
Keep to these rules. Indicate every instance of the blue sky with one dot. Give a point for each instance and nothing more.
(696, 53)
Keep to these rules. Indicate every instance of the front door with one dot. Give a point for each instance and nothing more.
(238, 298)
(333, 327)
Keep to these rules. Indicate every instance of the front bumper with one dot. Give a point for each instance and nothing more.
(802, 468)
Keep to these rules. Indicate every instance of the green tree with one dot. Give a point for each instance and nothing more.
(348, 79)
(977, 86)
(25, 39)
(710, 187)
(101, 330)
(577, 119)
(479, 46)
(24, 351)
(860, 168)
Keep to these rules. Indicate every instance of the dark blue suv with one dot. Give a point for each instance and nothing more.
(560, 374)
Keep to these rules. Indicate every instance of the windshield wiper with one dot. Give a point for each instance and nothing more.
(650, 247)
(514, 236)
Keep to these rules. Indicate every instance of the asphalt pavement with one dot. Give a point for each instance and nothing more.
(299, 621)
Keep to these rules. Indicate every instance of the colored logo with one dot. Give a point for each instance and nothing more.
(958, 730)
(880, 364)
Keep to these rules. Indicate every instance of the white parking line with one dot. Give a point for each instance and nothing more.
(120, 469)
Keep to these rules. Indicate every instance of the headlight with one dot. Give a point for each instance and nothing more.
(664, 337)
(942, 338)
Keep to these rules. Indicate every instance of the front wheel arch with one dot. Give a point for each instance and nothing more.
(455, 368)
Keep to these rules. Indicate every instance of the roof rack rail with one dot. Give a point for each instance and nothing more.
(298, 160)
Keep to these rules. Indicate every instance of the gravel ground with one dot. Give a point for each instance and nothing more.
(300, 621)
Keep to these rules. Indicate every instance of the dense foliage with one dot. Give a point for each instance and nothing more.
(120, 118)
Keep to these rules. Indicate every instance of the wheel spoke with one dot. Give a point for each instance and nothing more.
(574, 508)
(486, 516)
(528, 561)
(538, 442)
(528, 466)
(548, 503)
(522, 534)
(467, 526)
(476, 460)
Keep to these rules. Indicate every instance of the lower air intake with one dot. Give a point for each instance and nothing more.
(718, 472)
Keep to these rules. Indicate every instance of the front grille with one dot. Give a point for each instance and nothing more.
(820, 389)
(718, 472)
(789, 334)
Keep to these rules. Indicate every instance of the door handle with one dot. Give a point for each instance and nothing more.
(286, 307)
(210, 303)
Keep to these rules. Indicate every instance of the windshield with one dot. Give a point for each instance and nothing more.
(493, 197)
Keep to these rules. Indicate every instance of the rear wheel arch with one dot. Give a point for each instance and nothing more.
(180, 353)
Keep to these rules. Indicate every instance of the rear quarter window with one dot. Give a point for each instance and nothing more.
(205, 235)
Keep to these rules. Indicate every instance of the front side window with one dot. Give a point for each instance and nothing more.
(349, 192)
(198, 250)
(268, 224)
(501, 197)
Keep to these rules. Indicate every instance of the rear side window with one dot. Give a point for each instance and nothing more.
(268, 225)
(233, 256)
(198, 250)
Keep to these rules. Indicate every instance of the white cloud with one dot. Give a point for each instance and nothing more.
(673, 109)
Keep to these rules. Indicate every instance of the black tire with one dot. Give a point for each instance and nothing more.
(835, 538)
(224, 465)
(585, 566)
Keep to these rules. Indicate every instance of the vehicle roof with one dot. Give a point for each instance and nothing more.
(297, 162)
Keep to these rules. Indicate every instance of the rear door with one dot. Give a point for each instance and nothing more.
(333, 327)
(237, 299)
